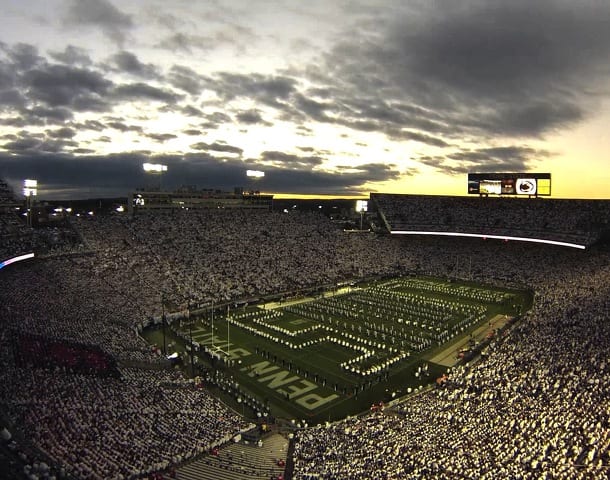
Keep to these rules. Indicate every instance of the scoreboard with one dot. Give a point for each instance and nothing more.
(522, 184)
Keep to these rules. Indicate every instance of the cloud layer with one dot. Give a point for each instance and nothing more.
(475, 85)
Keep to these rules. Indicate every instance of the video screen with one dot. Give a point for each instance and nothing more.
(530, 184)
(490, 186)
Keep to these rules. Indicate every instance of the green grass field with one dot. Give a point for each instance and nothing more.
(328, 357)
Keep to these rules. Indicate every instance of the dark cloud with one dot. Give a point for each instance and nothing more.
(123, 127)
(143, 91)
(61, 85)
(186, 79)
(346, 182)
(81, 175)
(83, 151)
(312, 108)
(23, 56)
(102, 14)
(91, 103)
(182, 42)
(215, 120)
(40, 115)
(416, 136)
(161, 137)
(217, 147)
(288, 160)
(90, 125)
(63, 175)
(487, 159)
(64, 132)
(485, 72)
(304, 131)
(72, 56)
(537, 117)
(250, 117)
(271, 90)
(22, 144)
(17, 122)
(12, 98)
(7, 76)
(372, 172)
(191, 111)
(481, 67)
(186, 43)
(41, 92)
(37, 143)
(128, 62)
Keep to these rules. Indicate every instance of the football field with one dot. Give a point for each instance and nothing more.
(333, 355)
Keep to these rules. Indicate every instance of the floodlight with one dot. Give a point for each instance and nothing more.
(255, 173)
(30, 187)
(154, 167)
(361, 205)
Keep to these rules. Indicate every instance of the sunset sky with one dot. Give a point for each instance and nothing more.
(326, 97)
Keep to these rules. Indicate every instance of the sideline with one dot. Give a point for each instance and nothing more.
(449, 356)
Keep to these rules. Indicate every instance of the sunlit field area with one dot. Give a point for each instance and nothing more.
(336, 354)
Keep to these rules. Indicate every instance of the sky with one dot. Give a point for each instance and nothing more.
(339, 98)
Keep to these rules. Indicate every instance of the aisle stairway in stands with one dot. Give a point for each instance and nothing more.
(240, 461)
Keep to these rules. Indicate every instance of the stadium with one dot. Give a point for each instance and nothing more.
(225, 336)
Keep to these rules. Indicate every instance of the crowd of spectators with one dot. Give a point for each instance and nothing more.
(7, 196)
(17, 238)
(15, 235)
(535, 405)
(509, 412)
(215, 255)
(133, 269)
(115, 428)
(578, 221)
(34, 351)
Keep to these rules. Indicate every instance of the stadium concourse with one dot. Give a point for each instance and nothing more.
(535, 405)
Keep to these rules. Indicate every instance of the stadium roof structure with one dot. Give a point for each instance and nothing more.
(568, 223)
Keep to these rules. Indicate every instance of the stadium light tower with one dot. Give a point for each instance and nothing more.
(163, 320)
(361, 207)
(254, 175)
(156, 169)
(190, 320)
(30, 189)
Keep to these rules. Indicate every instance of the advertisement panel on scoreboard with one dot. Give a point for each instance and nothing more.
(526, 184)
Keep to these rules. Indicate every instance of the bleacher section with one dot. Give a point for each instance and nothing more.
(40, 352)
(7, 197)
(574, 222)
(536, 405)
(240, 461)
